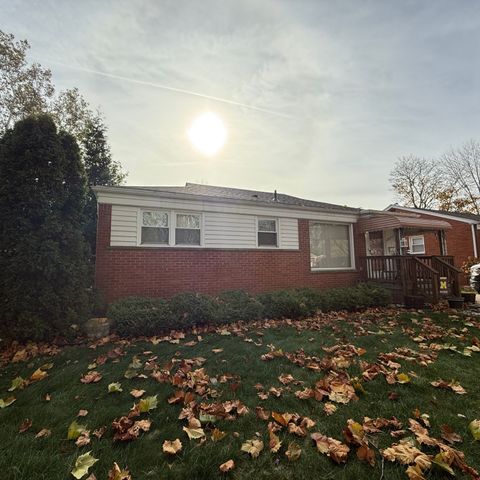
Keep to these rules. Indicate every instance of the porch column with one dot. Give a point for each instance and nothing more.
(441, 241)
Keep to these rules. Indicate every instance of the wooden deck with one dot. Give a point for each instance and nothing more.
(413, 275)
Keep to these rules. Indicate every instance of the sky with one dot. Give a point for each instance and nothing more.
(321, 97)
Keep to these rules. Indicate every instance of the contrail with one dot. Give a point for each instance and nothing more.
(172, 89)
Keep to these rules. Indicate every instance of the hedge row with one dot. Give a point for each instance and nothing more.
(150, 316)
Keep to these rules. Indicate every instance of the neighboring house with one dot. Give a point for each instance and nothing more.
(159, 241)
(461, 241)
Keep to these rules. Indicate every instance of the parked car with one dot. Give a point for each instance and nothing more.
(475, 277)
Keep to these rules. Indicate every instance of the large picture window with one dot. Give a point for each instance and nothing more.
(187, 229)
(330, 246)
(155, 228)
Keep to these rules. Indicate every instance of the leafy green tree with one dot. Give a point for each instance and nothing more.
(100, 169)
(44, 259)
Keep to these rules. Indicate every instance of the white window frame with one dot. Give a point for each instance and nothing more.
(410, 243)
(141, 225)
(352, 248)
(172, 225)
(277, 231)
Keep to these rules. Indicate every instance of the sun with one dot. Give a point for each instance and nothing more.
(208, 133)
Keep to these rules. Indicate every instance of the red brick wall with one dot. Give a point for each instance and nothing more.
(165, 271)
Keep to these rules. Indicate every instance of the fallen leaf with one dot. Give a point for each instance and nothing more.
(82, 413)
(7, 402)
(91, 377)
(217, 350)
(26, 424)
(331, 447)
(115, 387)
(75, 430)
(218, 435)
(449, 434)
(227, 466)
(194, 433)
(252, 447)
(172, 447)
(329, 408)
(38, 375)
(474, 427)
(83, 464)
(83, 439)
(403, 378)
(137, 393)
(293, 451)
(148, 403)
(18, 383)
(117, 473)
(43, 433)
(274, 442)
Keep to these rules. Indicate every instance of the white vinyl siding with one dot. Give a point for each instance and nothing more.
(220, 230)
(124, 226)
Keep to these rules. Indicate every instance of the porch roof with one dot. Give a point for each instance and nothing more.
(374, 221)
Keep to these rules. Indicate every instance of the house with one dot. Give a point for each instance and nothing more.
(461, 241)
(159, 241)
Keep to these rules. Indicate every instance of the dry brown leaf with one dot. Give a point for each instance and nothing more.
(82, 413)
(227, 466)
(449, 434)
(117, 473)
(331, 447)
(172, 447)
(329, 408)
(293, 451)
(26, 424)
(252, 447)
(43, 433)
(91, 377)
(136, 393)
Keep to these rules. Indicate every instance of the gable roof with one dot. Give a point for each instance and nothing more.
(465, 217)
(239, 194)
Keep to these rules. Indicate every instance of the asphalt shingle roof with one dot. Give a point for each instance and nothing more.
(242, 194)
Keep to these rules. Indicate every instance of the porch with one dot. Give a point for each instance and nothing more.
(399, 257)
(431, 276)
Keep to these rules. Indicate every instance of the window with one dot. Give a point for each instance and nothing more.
(155, 228)
(417, 245)
(187, 229)
(330, 246)
(267, 232)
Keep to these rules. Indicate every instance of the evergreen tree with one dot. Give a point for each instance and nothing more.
(100, 170)
(44, 259)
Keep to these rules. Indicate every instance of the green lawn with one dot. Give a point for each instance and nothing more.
(23, 456)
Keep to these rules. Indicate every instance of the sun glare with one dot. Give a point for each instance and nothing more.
(208, 133)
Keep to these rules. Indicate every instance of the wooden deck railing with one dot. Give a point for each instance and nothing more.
(414, 275)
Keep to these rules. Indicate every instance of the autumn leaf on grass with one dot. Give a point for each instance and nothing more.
(217, 350)
(146, 404)
(82, 465)
(38, 375)
(366, 454)
(115, 387)
(117, 473)
(82, 413)
(331, 447)
(227, 466)
(83, 439)
(406, 453)
(136, 393)
(285, 378)
(454, 386)
(43, 433)
(18, 383)
(449, 434)
(293, 451)
(441, 461)
(403, 378)
(172, 447)
(282, 418)
(7, 402)
(474, 427)
(262, 413)
(274, 442)
(91, 377)
(75, 430)
(329, 408)
(253, 447)
(26, 424)
(194, 433)
(218, 435)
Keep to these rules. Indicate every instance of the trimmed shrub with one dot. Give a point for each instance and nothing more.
(237, 305)
(138, 316)
(148, 316)
(190, 309)
(285, 304)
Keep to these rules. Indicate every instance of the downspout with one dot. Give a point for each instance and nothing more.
(474, 241)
